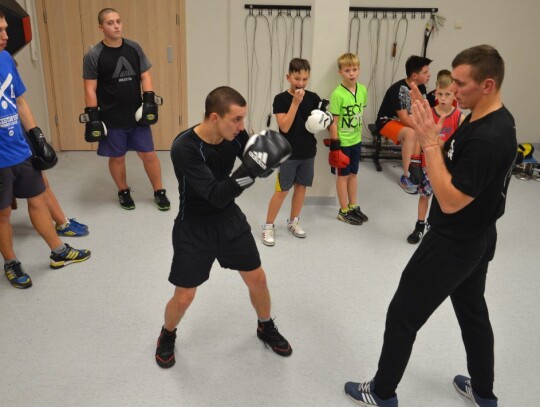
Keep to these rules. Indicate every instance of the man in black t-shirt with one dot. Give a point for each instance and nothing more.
(210, 226)
(470, 178)
(114, 71)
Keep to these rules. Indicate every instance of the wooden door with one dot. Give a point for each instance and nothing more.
(156, 25)
(62, 56)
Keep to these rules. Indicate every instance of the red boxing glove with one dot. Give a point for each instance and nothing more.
(326, 141)
(336, 157)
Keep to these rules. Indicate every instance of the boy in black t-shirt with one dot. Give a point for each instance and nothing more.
(292, 109)
(393, 118)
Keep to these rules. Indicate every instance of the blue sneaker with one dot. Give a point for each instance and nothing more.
(74, 221)
(407, 185)
(71, 230)
(16, 275)
(463, 387)
(68, 256)
(363, 395)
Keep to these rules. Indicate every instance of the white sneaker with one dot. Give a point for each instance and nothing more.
(295, 228)
(268, 235)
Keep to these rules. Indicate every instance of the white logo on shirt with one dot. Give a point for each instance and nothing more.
(450, 153)
(3, 96)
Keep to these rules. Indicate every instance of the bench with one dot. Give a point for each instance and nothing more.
(377, 149)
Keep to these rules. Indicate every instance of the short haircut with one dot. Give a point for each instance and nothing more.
(2, 15)
(443, 72)
(103, 12)
(444, 79)
(415, 64)
(348, 59)
(221, 99)
(299, 64)
(485, 62)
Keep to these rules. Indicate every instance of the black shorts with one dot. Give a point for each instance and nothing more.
(198, 242)
(20, 181)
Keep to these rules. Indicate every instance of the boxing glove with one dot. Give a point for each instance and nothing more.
(94, 128)
(44, 156)
(336, 157)
(263, 153)
(147, 113)
(323, 105)
(416, 175)
(318, 121)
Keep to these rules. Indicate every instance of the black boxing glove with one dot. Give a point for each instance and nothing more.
(94, 128)
(263, 153)
(416, 175)
(44, 157)
(147, 113)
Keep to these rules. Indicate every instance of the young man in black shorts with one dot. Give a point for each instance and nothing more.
(210, 225)
(18, 177)
(469, 176)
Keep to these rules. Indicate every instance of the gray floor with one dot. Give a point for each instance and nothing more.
(85, 335)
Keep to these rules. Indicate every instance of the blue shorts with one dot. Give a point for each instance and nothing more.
(119, 141)
(292, 172)
(353, 152)
(20, 181)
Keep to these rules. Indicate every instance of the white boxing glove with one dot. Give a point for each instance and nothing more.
(318, 121)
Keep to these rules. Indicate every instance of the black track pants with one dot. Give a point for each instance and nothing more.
(439, 268)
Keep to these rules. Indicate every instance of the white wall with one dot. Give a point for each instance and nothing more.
(216, 51)
(216, 27)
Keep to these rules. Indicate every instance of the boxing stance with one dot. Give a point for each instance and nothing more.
(209, 224)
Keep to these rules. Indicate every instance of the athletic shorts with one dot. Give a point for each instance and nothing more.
(391, 130)
(292, 172)
(119, 141)
(197, 243)
(20, 181)
(353, 152)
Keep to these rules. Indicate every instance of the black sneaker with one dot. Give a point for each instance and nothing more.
(268, 333)
(16, 275)
(68, 256)
(357, 213)
(417, 233)
(124, 197)
(161, 200)
(349, 218)
(165, 349)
